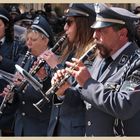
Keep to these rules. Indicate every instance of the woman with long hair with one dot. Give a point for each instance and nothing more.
(68, 111)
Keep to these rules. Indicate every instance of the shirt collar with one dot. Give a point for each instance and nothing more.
(2, 40)
(115, 55)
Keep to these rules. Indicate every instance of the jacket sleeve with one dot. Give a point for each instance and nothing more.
(7, 65)
(123, 103)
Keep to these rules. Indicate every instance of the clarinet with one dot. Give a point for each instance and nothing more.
(41, 63)
(12, 86)
(26, 57)
(58, 84)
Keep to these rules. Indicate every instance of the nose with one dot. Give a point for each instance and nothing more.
(65, 27)
(28, 42)
(96, 34)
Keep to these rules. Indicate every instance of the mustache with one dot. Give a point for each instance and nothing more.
(98, 44)
(103, 50)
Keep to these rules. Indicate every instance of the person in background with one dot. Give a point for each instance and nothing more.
(25, 19)
(53, 19)
(28, 120)
(68, 112)
(111, 88)
(8, 57)
(21, 23)
(14, 12)
(137, 12)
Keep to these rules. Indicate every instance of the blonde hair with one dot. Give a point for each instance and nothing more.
(39, 34)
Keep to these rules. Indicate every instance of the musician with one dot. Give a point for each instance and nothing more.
(28, 120)
(68, 112)
(14, 12)
(114, 93)
(8, 57)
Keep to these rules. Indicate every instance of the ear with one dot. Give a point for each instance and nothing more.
(123, 33)
(46, 41)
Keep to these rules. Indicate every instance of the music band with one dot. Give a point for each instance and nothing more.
(85, 84)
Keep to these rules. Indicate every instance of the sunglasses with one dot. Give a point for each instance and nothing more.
(69, 22)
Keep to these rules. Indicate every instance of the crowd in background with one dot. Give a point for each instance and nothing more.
(24, 20)
(55, 17)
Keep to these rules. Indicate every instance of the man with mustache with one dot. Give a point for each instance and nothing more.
(110, 93)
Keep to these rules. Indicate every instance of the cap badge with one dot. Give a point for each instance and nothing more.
(14, 9)
(71, 5)
(97, 8)
(36, 21)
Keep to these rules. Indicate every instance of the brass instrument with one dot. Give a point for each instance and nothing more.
(12, 85)
(56, 86)
(41, 63)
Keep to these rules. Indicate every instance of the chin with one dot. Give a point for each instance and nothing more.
(70, 40)
(104, 52)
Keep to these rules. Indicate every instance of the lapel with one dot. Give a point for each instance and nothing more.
(6, 50)
(118, 63)
(28, 64)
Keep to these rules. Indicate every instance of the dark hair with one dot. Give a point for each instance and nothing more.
(137, 10)
(83, 38)
(9, 30)
(129, 27)
(48, 7)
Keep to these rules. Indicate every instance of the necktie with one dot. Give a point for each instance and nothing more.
(0, 43)
(104, 65)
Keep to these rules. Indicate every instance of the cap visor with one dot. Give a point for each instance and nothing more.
(73, 15)
(100, 24)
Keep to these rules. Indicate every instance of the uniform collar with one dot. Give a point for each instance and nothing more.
(2, 40)
(115, 55)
